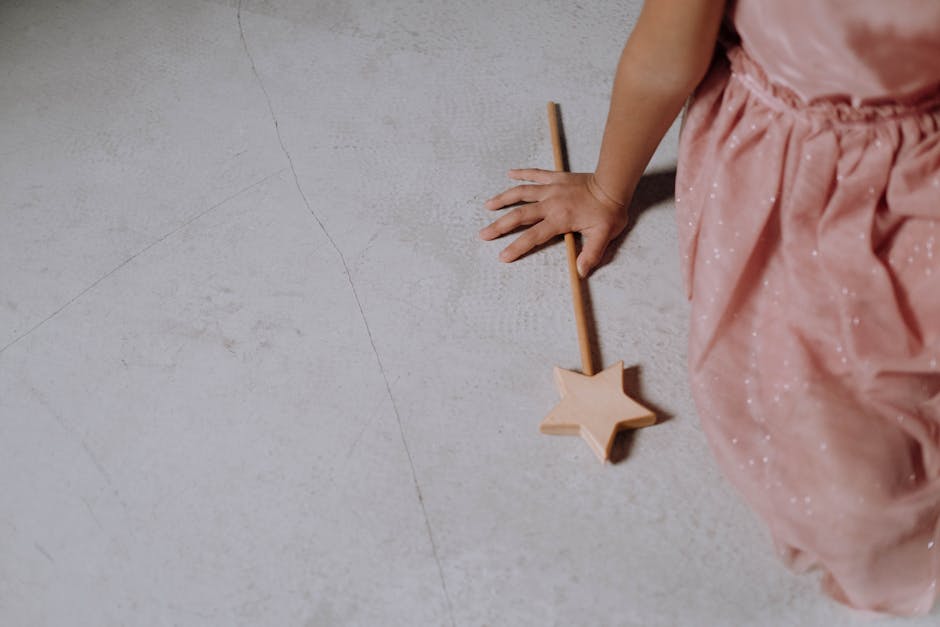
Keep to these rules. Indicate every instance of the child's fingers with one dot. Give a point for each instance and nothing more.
(538, 234)
(526, 214)
(520, 193)
(536, 175)
(592, 250)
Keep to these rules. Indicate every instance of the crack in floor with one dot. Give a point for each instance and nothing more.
(401, 431)
(136, 255)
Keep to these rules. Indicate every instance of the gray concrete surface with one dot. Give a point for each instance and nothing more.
(257, 369)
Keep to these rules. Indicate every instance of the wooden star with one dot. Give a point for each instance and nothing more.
(595, 407)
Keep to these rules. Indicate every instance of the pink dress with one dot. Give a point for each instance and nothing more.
(808, 206)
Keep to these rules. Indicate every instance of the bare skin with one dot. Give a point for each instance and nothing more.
(665, 57)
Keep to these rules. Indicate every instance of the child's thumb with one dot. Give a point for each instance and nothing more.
(584, 266)
(591, 253)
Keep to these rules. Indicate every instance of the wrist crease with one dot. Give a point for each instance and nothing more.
(598, 192)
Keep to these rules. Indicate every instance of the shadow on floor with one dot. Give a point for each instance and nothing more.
(624, 439)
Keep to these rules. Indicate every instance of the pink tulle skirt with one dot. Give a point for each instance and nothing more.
(809, 249)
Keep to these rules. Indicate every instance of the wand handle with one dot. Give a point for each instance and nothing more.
(580, 319)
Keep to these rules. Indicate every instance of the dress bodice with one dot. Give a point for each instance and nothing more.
(863, 49)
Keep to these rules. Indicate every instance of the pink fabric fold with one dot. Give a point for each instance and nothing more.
(809, 236)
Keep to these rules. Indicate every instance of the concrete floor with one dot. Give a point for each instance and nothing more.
(257, 369)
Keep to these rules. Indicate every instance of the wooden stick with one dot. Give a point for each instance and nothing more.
(575, 280)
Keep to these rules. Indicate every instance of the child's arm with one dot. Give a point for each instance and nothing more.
(666, 56)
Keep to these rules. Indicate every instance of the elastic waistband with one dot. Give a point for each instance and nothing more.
(836, 108)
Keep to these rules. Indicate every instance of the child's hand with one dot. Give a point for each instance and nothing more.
(561, 202)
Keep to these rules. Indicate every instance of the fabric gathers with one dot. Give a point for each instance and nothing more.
(809, 235)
